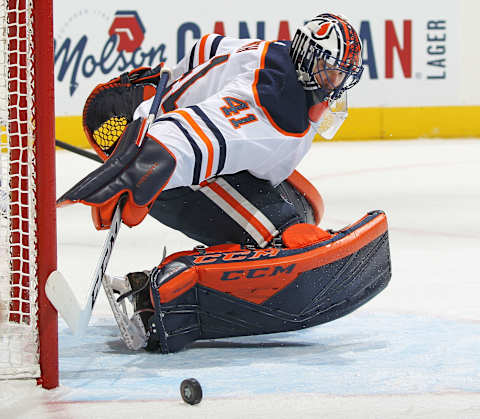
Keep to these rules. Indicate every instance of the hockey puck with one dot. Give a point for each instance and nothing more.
(191, 391)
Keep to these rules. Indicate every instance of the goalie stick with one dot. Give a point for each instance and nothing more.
(61, 294)
(57, 288)
(77, 150)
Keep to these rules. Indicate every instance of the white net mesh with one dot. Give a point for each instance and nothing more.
(18, 284)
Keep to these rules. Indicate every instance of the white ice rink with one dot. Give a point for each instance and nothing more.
(411, 352)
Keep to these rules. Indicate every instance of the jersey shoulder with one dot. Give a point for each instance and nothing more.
(278, 91)
(210, 45)
(269, 67)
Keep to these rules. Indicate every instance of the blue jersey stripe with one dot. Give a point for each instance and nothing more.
(215, 43)
(218, 135)
(196, 150)
(192, 56)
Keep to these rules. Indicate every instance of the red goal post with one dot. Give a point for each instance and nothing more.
(28, 322)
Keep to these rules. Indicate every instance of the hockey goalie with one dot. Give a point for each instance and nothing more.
(218, 164)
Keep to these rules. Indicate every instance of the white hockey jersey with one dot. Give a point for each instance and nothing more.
(235, 104)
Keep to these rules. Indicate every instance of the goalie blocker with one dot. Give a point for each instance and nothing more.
(312, 277)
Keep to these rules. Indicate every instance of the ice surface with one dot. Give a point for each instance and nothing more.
(413, 351)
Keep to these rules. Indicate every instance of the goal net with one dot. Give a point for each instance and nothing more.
(28, 323)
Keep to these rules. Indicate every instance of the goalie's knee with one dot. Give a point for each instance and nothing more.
(307, 199)
(314, 277)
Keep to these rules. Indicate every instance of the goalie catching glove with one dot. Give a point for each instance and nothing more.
(110, 107)
(140, 173)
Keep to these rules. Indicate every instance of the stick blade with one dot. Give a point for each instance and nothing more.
(63, 299)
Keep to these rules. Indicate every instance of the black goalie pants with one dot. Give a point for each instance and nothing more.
(237, 208)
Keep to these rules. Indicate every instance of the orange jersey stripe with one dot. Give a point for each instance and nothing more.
(257, 98)
(201, 50)
(203, 137)
(241, 210)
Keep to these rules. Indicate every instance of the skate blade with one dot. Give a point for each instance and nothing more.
(132, 330)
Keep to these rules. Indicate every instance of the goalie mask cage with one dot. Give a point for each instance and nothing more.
(28, 323)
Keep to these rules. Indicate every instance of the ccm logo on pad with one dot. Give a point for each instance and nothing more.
(257, 272)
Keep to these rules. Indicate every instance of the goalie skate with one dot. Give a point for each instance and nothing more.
(126, 310)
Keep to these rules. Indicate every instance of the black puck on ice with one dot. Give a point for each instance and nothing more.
(191, 391)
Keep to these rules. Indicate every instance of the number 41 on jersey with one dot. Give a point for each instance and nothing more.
(235, 107)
